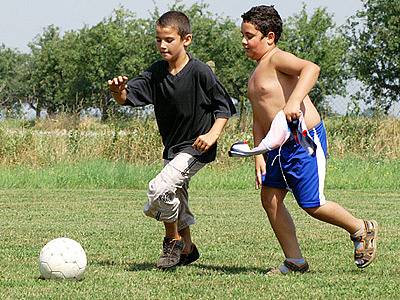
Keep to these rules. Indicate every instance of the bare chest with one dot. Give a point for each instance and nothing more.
(264, 85)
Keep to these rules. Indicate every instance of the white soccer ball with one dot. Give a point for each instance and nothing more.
(62, 258)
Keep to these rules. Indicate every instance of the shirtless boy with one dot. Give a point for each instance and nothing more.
(282, 81)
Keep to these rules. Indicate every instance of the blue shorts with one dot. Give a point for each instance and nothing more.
(291, 167)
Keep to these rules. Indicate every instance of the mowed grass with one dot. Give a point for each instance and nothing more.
(342, 173)
(234, 237)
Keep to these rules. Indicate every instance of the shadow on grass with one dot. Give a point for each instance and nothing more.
(232, 269)
(147, 266)
(136, 267)
(127, 265)
(105, 263)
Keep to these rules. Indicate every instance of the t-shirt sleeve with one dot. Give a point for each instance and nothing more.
(222, 104)
(139, 90)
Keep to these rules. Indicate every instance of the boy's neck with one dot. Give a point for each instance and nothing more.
(174, 67)
(266, 54)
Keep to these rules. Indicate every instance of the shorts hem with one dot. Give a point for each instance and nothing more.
(311, 205)
(186, 224)
(275, 185)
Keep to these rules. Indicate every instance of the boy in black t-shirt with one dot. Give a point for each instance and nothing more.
(191, 108)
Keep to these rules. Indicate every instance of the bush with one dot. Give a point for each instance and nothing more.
(69, 139)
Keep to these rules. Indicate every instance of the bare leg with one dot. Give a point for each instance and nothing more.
(171, 230)
(335, 214)
(281, 221)
(187, 239)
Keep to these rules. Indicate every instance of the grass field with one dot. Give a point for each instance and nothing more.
(235, 240)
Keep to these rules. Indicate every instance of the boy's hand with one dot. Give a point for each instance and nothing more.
(117, 87)
(292, 111)
(117, 84)
(204, 142)
(260, 169)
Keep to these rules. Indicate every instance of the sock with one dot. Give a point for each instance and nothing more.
(297, 261)
(358, 245)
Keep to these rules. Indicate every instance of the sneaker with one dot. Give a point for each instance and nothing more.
(293, 268)
(365, 250)
(171, 254)
(190, 257)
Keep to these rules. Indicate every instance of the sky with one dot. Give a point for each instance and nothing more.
(22, 20)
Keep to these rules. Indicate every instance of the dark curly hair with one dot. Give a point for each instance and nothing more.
(265, 19)
(175, 19)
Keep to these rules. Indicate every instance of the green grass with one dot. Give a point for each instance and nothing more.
(343, 173)
(51, 186)
(233, 235)
(99, 203)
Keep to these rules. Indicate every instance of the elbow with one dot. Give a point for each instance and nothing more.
(317, 70)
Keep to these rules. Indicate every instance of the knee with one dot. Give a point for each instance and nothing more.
(159, 187)
(312, 211)
(269, 204)
(162, 203)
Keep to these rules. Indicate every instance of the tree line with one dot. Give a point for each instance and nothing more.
(68, 72)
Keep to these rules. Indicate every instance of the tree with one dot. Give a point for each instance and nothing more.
(317, 39)
(13, 68)
(69, 73)
(374, 34)
(46, 73)
(107, 49)
(218, 39)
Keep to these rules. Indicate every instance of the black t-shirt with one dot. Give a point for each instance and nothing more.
(185, 104)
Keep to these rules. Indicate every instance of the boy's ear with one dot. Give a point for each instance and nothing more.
(270, 38)
(187, 39)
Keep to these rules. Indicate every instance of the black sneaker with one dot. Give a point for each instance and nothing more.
(190, 257)
(171, 254)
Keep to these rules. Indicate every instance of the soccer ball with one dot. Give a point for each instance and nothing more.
(62, 258)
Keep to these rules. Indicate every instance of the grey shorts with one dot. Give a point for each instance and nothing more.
(168, 191)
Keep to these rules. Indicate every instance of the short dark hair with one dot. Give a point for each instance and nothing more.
(265, 19)
(175, 19)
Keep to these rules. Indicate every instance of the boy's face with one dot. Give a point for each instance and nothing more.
(170, 44)
(253, 41)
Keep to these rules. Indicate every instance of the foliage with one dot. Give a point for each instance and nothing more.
(374, 34)
(68, 139)
(13, 68)
(364, 136)
(316, 38)
(68, 72)
(218, 39)
(110, 49)
(46, 71)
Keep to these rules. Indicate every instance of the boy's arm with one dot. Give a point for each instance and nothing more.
(117, 86)
(260, 168)
(307, 73)
(205, 141)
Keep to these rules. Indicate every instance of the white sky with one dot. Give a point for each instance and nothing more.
(22, 20)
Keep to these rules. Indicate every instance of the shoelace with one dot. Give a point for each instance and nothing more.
(169, 247)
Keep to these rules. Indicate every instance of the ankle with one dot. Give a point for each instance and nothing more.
(173, 237)
(360, 230)
(298, 262)
(188, 247)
